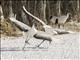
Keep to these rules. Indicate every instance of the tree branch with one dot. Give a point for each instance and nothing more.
(33, 16)
(20, 24)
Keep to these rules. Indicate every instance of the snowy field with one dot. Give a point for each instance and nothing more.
(64, 46)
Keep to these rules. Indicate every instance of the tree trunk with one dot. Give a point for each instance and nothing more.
(78, 5)
(59, 8)
(11, 14)
(1, 13)
(44, 11)
(5, 8)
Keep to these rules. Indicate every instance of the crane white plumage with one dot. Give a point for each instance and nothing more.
(53, 19)
(62, 19)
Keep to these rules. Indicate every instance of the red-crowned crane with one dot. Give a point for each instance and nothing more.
(60, 20)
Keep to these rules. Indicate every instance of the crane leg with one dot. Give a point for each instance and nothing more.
(40, 43)
(63, 26)
(58, 25)
(27, 42)
(24, 46)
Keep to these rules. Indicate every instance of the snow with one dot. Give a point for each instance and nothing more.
(64, 46)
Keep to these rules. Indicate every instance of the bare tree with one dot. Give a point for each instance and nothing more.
(59, 7)
(78, 6)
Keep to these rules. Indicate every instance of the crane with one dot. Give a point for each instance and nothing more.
(62, 19)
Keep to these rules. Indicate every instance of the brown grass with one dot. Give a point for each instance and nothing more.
(69, 26)
(73, 26)
(9, 29)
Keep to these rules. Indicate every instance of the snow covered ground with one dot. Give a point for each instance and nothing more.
(64, 46)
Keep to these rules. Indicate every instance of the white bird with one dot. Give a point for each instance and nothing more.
(53, 19)
(62, 19)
